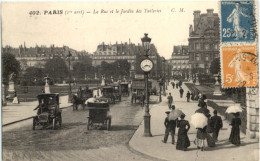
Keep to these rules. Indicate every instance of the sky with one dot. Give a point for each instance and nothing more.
(165, 23)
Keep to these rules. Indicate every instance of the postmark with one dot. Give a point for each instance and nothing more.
(239, 66)
(238, 22)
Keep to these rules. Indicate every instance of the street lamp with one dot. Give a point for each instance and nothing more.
(69, 93)
(164, 62)
(146, 65)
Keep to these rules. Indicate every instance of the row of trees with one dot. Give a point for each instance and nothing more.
(58, 71)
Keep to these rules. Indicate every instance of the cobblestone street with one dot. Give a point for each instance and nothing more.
(73, 140)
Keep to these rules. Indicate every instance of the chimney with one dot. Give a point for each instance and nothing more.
(129, 41)
(24, 47)
(210, 12)
(190, 29)
(196, 18)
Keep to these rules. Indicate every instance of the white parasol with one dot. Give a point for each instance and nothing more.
(175, 114)
(199, 120)
(234, 109)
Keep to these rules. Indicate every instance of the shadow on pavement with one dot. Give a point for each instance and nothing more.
(123, 127)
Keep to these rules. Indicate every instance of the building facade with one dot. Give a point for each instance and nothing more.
(180, 60)
(124, 51)
(37, 56)
(203, 41)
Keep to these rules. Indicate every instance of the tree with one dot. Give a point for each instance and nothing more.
(33, 76)
(10, 65)
(56, 69)
(81, 69)
(115, 69)
(215, 66)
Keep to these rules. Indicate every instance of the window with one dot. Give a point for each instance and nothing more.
(216, 46)
(206, 57)
(206, 46)
(197, 46)
(197, 57)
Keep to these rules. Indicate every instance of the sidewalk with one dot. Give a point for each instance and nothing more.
(15, 112)
(152, 146)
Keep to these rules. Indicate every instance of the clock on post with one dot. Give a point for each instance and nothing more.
(146, 65)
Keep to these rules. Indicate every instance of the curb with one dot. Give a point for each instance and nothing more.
(132, 149)
(10, 123)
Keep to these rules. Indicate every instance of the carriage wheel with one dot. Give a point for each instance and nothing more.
(108, 124)
(53, 124)
(34, 123)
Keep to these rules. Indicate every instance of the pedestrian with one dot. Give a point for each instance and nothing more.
(235, 131)
(170, 100)
(202, 99)
(210, 140)
(177, 85)
(192, 95)
(170, 126)
(43, 91)
(180, 83)
(183, 141)
(201, 136)
(173, 85)
(15, 100)
(203, 109)
(188, 96)
(181, 92)
(217, 124)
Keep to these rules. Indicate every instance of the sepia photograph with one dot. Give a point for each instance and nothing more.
(130, 80)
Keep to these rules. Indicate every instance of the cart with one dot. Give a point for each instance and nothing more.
(124, 89)
(98, 115)
(48, 111)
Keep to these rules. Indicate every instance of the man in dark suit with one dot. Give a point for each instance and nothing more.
(170, 126)
(217, 124)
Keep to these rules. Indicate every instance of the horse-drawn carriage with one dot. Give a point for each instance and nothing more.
(124, 89)
(117, 92)
(98, 115)
(108, 94)
(49, 112)
(138, 90)
(81, 97)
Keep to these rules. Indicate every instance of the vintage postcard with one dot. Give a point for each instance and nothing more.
(130, 80)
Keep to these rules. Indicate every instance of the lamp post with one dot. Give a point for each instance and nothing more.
(146, 65)
(160, 85)
(69, 93)
(164, 92)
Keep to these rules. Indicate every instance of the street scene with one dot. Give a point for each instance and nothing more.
(122, 81)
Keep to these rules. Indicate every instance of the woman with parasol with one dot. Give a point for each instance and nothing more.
(183, 141)
(234, 137)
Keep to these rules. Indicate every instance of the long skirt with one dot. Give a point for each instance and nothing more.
(235, 135)
(183, 141)
(15, 100)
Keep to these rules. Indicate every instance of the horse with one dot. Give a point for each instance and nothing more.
(77, 101)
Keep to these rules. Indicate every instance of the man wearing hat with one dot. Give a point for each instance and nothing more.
(170, 126)
(217, 124)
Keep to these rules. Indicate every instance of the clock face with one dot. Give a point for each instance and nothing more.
(146, 65)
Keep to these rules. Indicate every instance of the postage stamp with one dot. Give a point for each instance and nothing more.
(239, 66)
(238, 22)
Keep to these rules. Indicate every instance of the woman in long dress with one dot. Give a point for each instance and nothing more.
(235, 131)
(183, 141)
